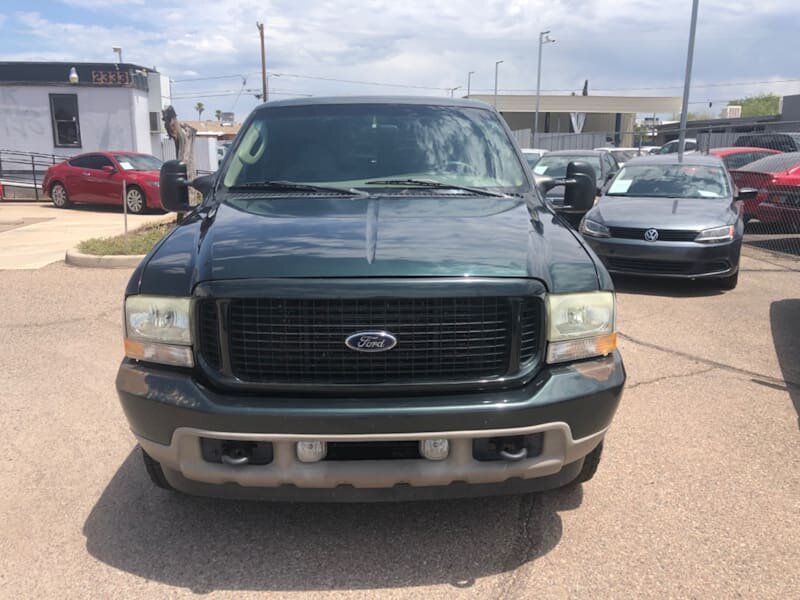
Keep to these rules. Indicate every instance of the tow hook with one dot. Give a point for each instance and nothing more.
(519, 455)
(235, 461)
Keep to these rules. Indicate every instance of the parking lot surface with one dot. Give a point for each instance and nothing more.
(35, 234)
(698, 494)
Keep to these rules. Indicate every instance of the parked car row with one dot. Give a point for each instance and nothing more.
(98, 177)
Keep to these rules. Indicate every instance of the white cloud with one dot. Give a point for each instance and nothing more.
(625, 44)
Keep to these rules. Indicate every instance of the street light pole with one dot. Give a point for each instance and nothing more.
(118, 51)
(496, 66)
(688, 81)
(264, 90)
(452, 90)
(469, 81)
(544, 38)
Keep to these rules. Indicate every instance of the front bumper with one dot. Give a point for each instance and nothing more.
(682, 260)
(571, 405)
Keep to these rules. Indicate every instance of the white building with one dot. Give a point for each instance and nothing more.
(67, 108)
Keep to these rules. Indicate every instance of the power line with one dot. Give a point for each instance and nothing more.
(664, 87)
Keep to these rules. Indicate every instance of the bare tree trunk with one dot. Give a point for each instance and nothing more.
(183, 135)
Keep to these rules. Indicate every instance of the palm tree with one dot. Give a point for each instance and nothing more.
(218, 114)
(199, 107)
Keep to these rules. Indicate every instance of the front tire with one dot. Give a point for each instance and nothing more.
(134, 198)
(59, 196)
(590, 464)
(155, 472)
(730, 282)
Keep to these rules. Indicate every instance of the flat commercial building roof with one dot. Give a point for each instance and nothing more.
(586, 104)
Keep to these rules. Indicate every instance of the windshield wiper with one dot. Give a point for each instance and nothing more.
(429, 183)
(277, 184)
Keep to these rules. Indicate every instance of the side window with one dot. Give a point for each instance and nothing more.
(669, 148)
(81, 162)
(734, 161)
(611, 164)
(99, 161)
(65, 121)
(690, 146)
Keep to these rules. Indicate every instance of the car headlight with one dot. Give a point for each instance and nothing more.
(716, 234)
(580, 326)
(154, 184)
(594, 229)
(158, 329)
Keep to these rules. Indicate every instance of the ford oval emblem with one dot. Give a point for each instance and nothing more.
(371, 341)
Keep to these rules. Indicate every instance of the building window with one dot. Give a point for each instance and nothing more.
(66, 125)
(154, 122)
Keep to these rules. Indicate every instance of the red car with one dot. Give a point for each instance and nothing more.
(97, 178)
(736, 157)
(775, 177)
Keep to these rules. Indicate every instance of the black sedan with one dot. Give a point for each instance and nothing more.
(661, 217)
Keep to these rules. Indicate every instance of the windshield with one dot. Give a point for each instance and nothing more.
(670, 181)
(348, 145)
(138, 162)
(555, 165)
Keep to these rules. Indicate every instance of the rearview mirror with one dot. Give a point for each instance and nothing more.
(746, 194)
(173, 186)
(580, 187)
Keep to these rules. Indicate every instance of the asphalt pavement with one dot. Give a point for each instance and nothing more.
(698, 494)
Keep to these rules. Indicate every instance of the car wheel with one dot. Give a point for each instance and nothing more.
(134, 198)
(730, 282)
(59, 196)
(156, 473)
(590, 464)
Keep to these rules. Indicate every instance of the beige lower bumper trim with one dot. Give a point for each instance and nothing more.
(559, 449)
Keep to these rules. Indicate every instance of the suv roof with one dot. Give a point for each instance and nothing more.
(695, 159)
(412, 100)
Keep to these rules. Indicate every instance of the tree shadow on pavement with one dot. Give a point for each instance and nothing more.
(784, 316)
(673, 288)
(207, 544)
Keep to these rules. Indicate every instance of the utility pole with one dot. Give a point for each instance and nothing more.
(453, 90)
(496, 67)
(544, 38)
(688, 81)
(264, 90)
(469, 81)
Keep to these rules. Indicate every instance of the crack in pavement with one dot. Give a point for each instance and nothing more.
(666, 377)
(712, 363)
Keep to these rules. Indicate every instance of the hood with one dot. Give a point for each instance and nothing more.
(663, 213)
(376, 237)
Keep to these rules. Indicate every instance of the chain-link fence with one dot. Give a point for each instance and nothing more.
(764, 160)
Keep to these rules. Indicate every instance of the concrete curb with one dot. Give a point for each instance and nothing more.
(92, 261)
(12, 222)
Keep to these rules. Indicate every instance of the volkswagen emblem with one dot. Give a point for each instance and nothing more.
(371, 341)
(651, 235)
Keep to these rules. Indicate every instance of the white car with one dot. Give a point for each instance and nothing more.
(532, 155)
(689, 145)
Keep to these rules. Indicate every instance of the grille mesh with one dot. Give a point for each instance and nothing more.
(664, 235)
(294, 341)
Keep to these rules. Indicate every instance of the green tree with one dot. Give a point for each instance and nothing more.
(199, 107)
(218, 114)
(758, 106)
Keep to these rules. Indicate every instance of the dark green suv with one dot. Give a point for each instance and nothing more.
(373, 301)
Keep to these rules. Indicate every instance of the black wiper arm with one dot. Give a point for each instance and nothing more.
(279, 184)
(430, 183)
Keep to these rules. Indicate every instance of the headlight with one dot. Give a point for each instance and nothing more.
(154, 184)
(594, 229)
(580, 326)
(716, 234)
(158, 329)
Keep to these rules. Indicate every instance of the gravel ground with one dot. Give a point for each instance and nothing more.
(698, 494)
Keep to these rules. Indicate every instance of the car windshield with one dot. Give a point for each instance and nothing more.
(555, 165)
(138, 162)
(349, 145)
(670, 181)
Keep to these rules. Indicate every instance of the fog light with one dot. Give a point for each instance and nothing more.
(309, 452)
(434, 449)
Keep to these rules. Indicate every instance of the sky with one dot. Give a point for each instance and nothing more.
(624, 47)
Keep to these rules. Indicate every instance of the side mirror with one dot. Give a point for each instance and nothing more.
(581, 186)
(109, 169)
(173, 187)
(203, 184)
(746, 194)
